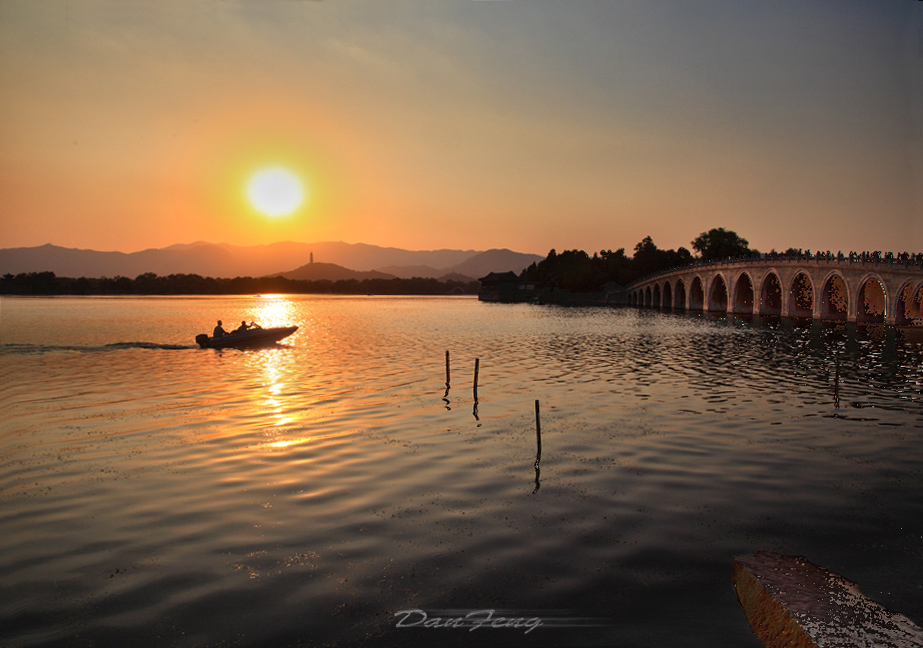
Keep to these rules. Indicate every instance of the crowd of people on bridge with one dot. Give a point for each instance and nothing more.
(904, 258)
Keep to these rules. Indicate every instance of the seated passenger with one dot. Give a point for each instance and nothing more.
(219, 331)
(243, 327)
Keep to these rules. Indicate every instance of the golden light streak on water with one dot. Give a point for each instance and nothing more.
(273, 310)
(289, 442)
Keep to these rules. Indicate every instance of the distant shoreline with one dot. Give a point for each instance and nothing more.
(37, 284)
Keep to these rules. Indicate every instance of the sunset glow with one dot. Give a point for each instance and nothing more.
(470, 125)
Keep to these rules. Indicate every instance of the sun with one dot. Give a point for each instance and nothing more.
(275, 191)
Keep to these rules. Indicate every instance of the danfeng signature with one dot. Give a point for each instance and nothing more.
(473, 620)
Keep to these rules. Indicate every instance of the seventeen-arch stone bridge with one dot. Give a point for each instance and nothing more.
(855, 288)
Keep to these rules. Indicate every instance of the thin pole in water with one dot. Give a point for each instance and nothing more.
(538, 446)
(477, 364)
(474, 409)
(446, 395)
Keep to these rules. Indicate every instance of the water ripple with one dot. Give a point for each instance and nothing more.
(304, 493)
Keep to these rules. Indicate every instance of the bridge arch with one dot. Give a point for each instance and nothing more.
(801, 296)
(834, 298)
(871, 301)
(742, 301)
(718, 295)
(679, 298)
(696, 294)
(856, 288)
(909, 305)
(771, 295)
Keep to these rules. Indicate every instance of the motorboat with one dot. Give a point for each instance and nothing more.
(253, 337)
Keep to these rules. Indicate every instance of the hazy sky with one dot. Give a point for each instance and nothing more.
(527, 124)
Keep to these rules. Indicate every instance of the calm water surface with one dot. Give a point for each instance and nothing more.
(157, 494)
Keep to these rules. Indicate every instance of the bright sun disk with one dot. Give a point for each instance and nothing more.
(275, 191)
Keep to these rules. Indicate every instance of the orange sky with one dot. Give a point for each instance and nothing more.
(526, 124)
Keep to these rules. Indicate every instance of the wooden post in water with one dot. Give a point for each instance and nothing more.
(538, 448)
(445, 397)
(477, 364)
(474, 409)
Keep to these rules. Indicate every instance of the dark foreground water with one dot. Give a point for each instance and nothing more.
(332, 491)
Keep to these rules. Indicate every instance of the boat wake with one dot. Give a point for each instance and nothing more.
(148, 345)
(33, 349)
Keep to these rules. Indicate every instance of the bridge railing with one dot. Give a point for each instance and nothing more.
(876, 259)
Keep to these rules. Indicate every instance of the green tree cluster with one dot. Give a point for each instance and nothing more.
(578, 272)
(719, 243)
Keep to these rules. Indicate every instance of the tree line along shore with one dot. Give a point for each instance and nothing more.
(47, 283)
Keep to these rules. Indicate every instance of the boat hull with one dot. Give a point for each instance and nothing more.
(246, 339)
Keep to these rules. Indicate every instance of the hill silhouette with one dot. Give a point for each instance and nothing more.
(329, 272)
(222, 260)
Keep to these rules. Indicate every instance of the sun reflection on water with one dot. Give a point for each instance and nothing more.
(273, 390)
(275, 400)
(286, 443)
(274, 310)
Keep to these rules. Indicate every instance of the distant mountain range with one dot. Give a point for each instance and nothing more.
(331, 260)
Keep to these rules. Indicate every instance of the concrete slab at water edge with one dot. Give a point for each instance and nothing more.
(792, 603)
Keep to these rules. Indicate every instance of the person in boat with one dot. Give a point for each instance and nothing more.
(219, 331)
(247, 327)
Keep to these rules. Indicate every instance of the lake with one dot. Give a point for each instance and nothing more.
(335, 489)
